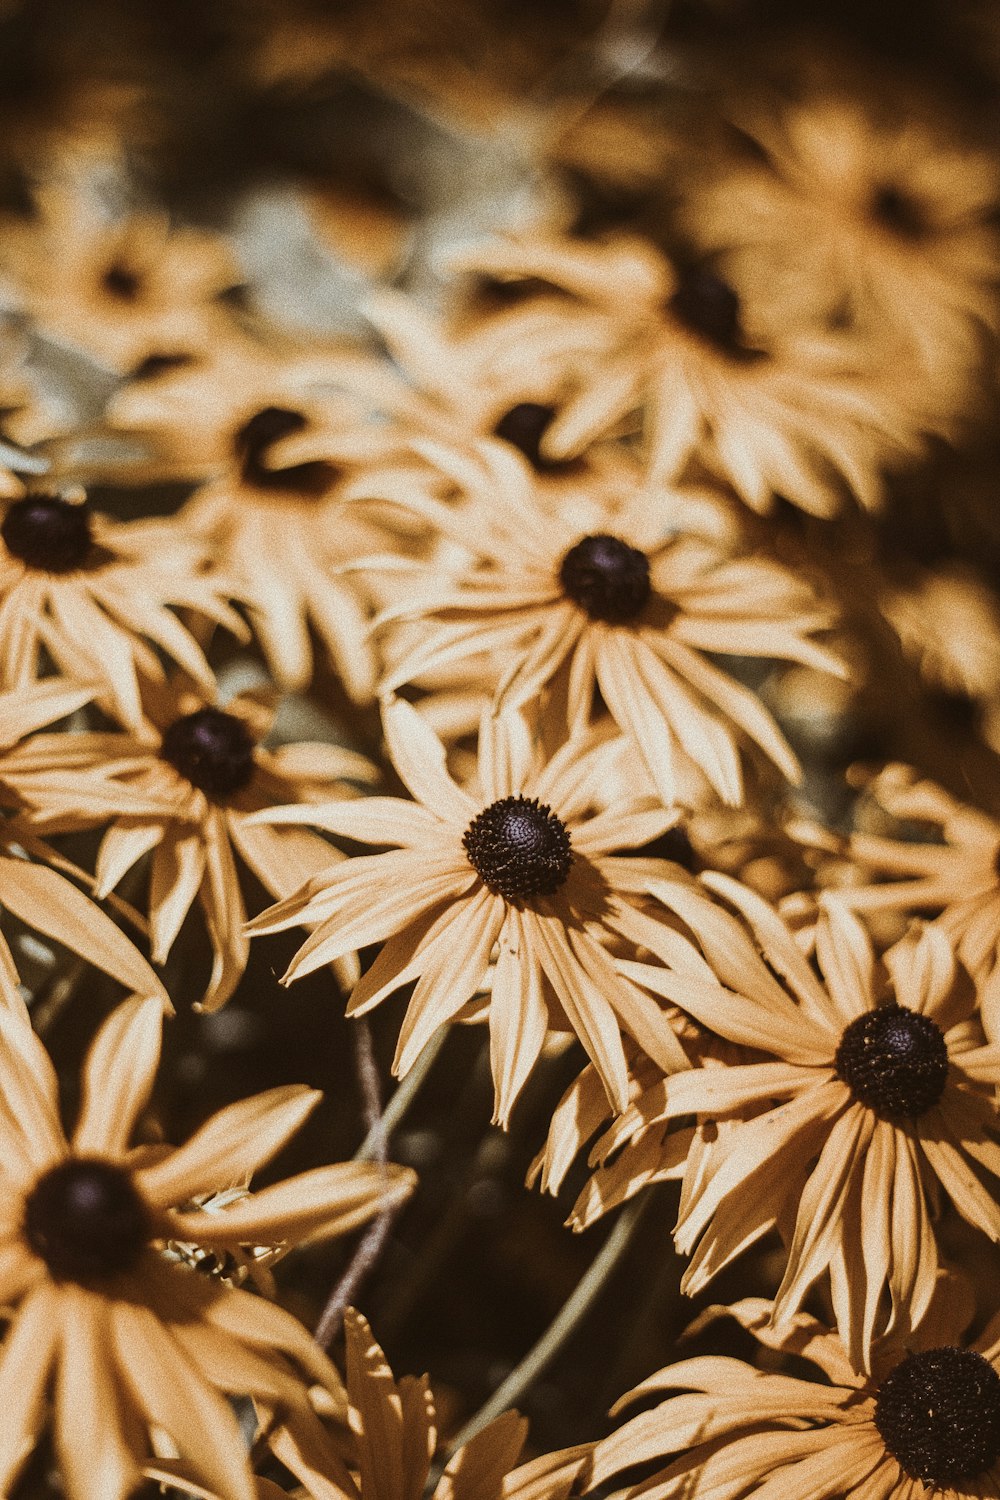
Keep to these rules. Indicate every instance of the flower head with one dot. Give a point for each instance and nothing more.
(874, 1083)
(183, 789)
(519, 864)
(621, 603)
(927, 1421)
(127, 1340)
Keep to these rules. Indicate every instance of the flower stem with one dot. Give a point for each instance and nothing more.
(587, 1290)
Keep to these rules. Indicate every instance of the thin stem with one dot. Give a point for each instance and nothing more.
(382, 1128)
(587, 1290)
(373, 1242)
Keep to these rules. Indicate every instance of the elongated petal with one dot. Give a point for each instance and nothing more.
(320, 1204)
(229, 1147)
(118, 1077)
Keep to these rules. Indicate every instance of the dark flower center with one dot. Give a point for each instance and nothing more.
(895, 1061)
(253, 441)
(122, 283)
(212, 749)
(938, 1414)
(85, 1218)
(708, 306)
(896, 210)
(523, 427)
(519, 848)
(607, 578)
(48, 533)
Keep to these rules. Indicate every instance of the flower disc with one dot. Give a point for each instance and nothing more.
(48, 533)
(519, 848)
(938, 1414)
(607, 578)
(212, 749)
(84, 1218)
(895, 1061)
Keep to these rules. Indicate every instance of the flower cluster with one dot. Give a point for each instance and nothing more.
(506, 629)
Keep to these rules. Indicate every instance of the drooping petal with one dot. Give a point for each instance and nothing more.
(229, 1147)
(118, 1077)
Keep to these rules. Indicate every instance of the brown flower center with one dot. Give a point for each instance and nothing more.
(253, 442)
(122, 283)
(709, 307)
(523, 427)
(895, 1061)
(519, 848)
(212, 749)
(938, 1414)
(897, 211)
(48, 533)
(84, 1218)
(607, 578)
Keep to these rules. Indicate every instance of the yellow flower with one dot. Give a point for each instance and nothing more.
(120, 290)
(956, 874)
(929, 1423)
(272, 436)
(623, 604)
(866, 210)
(876, 1083)
(183, 788)
(771, 413)
(127, 1343)
(98, 595)
(517, 864)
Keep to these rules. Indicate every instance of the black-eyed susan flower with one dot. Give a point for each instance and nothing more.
(517, 865)
(182, 789)
(125, 1344)
(622, 602)
(927, 1422)
(877, 1082)
(98, 595)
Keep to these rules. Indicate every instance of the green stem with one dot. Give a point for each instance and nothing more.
(587, 1290)
(401, 1099)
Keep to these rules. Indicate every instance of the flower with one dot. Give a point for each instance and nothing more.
(129, 1343)
(40, 897)
(97, 595)
(929, 1422)
(877, 1082)
(867, 209)
(789, 414)
(515, 864)
(621, 602)
(393, 1438)
(956, 874)
(183, 788)
(272, 435)
(120, 290)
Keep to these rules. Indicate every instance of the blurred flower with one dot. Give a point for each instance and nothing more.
(273, 435)
(928, 1424)
(770, 412)
(627, 606)
(863, 210)
(130, 1345)
(97, 595)
(955, 871)
(880, 1083)
(122, 290)
(949, 622)
(515, 862)
(182, 788)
